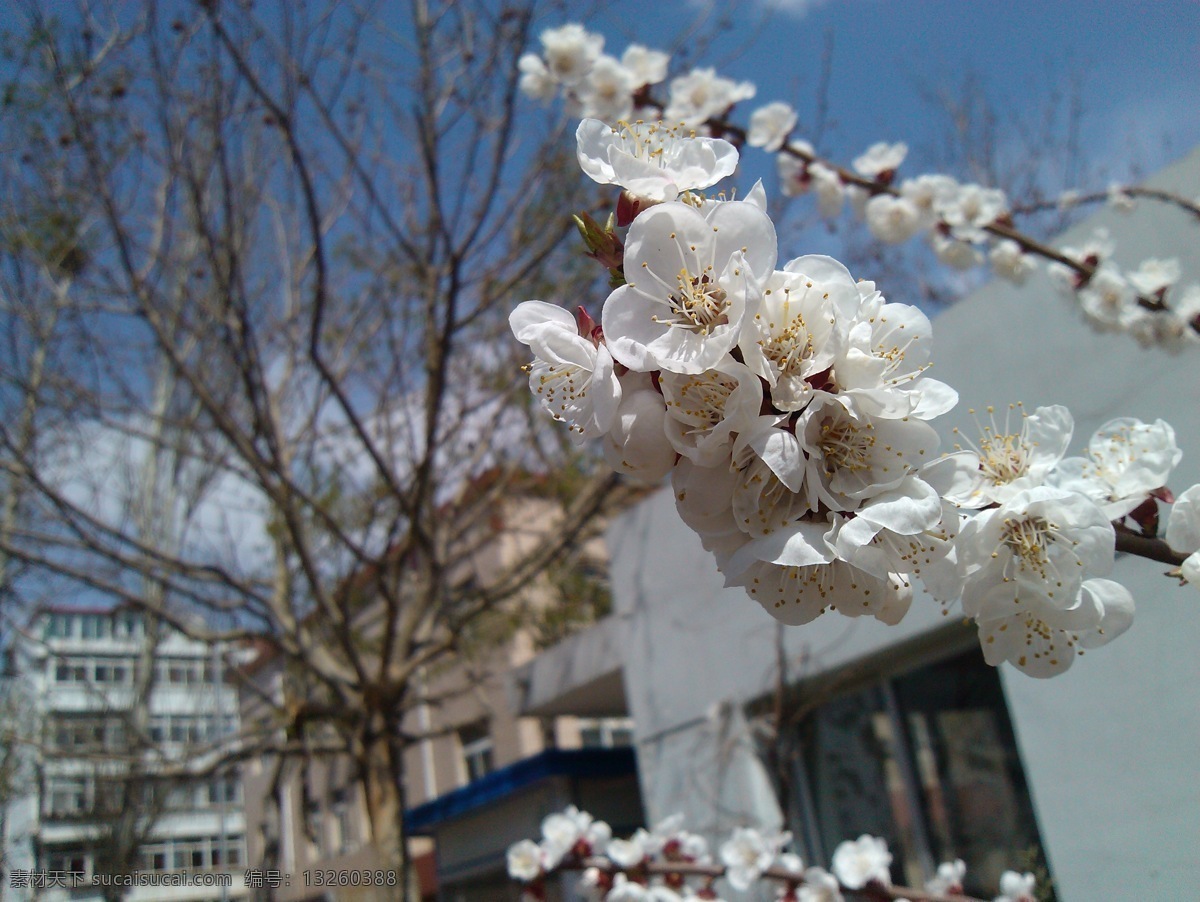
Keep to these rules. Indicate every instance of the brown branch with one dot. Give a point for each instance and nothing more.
(874, 890)
(1153, 549)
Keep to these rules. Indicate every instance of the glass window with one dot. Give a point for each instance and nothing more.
(71, 860)
(476, 741)
(607, 732)
(928, 761)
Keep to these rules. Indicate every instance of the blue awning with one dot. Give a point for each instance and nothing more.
(506, 781)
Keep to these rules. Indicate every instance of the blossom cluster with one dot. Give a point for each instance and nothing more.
(791, 407)
(965, 224)
(670, 864)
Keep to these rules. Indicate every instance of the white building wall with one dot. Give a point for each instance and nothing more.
(1109, 748)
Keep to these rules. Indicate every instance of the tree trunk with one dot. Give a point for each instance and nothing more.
(383, 785)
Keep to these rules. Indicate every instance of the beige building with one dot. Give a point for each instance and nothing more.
(307, 829)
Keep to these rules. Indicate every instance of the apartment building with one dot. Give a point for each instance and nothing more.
(125, 719)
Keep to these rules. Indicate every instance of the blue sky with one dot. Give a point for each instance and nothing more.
(1138, 64)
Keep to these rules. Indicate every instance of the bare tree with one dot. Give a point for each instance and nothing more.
(281, 242)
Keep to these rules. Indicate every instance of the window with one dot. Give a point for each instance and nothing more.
(476, 741)
(92, 733)
(72, 670)
(65, 796)
(111, 670)
(96, 626)
(224, 791)
(59, 626)
(74, 861)
(127, 625)
(342, 839)
(606, 732)
(927, 760)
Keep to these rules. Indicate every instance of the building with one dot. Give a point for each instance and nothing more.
(903, 731)
(477, 775)
(128, 717)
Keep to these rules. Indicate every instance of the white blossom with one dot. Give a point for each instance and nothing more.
(885, 354)
(1069, 200)
(1169, 330)
(819, 886)
(1011, 263)
(1154, 275)
(1096, 250)
(1126, 461)
(1016, 887)
(688, 283)
(770, 125)
(829, 188)
(746, 854)
(570, 51)
(626, 890)
(955, 253)
(795, 575)
(524, 860)
(857, 862)
(563, 831)
(648, 67)
(1007, 461)
(893, 220)
(908, 530)
(571, 376)
(652, 160)
(792, 336)
(594, 884)
(927, 193)
(790, 861)
(1120, 199)
(793, 170)
(1034, 549)
(970, 209)
(536, 81)
(949, 878)
(627, 853)
(637, 444)
(767, 479)
(607, 91)
(1183, 533)
(1042, 638)
(852, 456)
(706, 410)
(701, 94)
(704, 498)
(1107, 300)
(880, 158)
